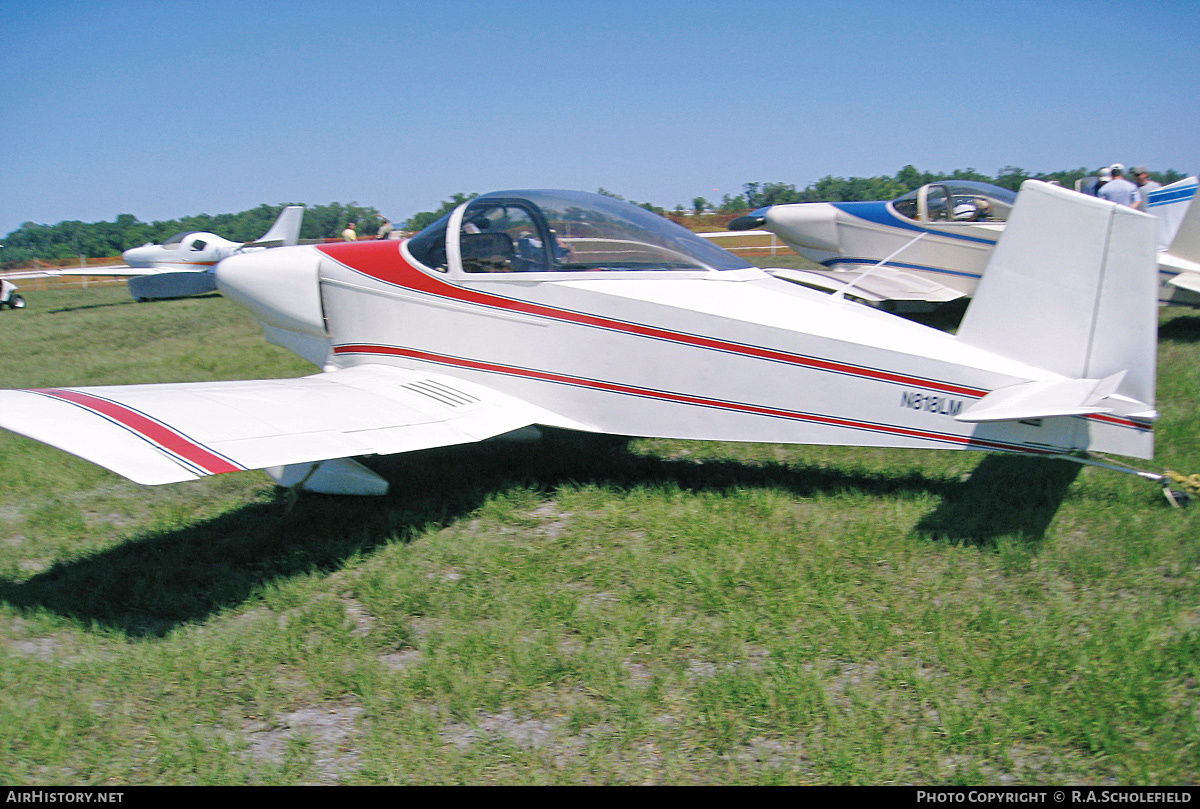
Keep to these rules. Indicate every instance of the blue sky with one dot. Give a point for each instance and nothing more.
(163, 109)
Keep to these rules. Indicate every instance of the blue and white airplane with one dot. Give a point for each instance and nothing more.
(932, 244)
(1178, 241)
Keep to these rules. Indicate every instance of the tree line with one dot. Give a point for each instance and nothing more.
(69, 240)
(856, 189)
(831, 189)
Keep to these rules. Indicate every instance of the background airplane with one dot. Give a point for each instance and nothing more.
(8, 295)
(933, 244)
(581, 311)
(182, 265)
(1179, 241)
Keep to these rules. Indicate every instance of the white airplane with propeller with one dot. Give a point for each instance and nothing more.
(573, 310)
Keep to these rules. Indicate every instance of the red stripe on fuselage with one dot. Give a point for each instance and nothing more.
(146, 427)
(682, 398)
(384, 261)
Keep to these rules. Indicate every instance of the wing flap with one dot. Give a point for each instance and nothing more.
(170, 433)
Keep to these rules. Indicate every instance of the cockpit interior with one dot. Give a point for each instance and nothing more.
(563, 231)
(956, 201)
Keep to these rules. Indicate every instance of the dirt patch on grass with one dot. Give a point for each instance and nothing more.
(524, 733)
(326, 733)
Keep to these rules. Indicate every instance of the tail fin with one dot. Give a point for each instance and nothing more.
(1072, 288)
(286, 230)
(1172, 204)
(1185, 243)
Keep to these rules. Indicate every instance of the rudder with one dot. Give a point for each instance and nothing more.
(1072, 288)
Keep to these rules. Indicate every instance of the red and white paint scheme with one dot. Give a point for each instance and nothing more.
(183, 264)
(584, 312)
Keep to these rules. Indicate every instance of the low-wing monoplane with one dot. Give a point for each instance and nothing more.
(183, 264)
(933, 243)
(580, 311)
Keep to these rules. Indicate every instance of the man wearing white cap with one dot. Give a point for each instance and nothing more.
(1120, 190)
(1091, 185)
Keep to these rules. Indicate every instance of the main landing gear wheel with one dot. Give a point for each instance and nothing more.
(14, 302)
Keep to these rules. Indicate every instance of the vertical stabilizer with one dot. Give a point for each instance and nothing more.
(286, 229)
(1185, 243)
(1072, 287)
(1170, 204)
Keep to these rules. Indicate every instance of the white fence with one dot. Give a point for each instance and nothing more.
(763, 243)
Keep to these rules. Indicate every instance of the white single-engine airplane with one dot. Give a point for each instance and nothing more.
(183, 264)
(580, 311)
(932, 244)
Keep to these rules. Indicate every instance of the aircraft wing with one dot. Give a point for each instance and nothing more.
(170, 433)
(875, 285)
(9, 276)
(1189, 281)
(108, 269)
(733, 234)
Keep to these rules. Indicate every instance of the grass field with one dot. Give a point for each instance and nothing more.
(584, 611)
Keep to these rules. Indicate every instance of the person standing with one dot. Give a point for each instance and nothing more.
(1092, 185)
(1145, 185)
(385, 229)
(348, 234)
(1120, 190)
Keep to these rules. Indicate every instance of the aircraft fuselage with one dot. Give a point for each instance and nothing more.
(733, 355)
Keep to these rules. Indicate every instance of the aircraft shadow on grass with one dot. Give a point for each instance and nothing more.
(150, 585)
(130, 302)
(1183, 329)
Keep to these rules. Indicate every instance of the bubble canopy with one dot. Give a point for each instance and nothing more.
(564, 231)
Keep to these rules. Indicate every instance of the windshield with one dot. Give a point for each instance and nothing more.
(568, 231)
(174, 242)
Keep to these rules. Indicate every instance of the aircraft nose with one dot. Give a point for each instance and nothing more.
(281, 286)
(136, 257)
(807, 224)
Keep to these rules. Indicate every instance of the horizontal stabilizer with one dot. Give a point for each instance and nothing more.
(170, 433)
(1041, 400)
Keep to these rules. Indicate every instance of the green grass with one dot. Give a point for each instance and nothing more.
(584, 611)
